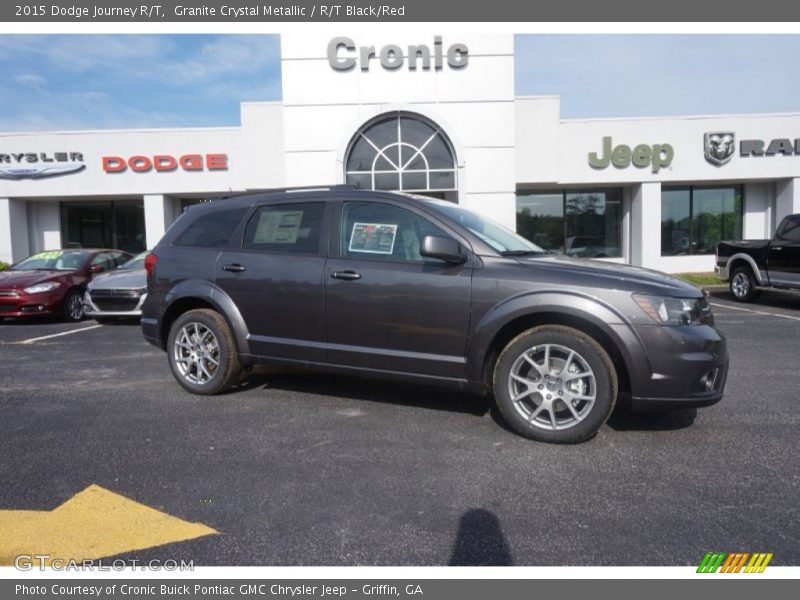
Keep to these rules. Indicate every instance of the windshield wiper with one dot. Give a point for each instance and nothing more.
(522, 253)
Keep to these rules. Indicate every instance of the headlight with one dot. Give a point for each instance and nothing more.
(666, 310)
(47, 286)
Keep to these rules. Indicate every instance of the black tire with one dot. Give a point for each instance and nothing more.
(743, 285)
(228, 370)
(70, 311)
(599, 377)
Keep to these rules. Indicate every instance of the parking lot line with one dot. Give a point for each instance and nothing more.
(55, 335)
(757, 312)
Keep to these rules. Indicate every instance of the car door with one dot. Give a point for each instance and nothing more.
(387, 307)
(276, 278)
(783, 255)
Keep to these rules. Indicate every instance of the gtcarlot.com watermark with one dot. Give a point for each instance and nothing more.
(29, 562)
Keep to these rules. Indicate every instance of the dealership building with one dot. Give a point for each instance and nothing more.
(434, 115)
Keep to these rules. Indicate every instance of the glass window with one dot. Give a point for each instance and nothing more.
(384, 231)
(585, 223)
(212, 229)
(676, 233)
(694, 220)
(593, 224)
(104, 260)
(292, 228)
(53, 260)
(100, 224)
(401, 151)
(791, 230)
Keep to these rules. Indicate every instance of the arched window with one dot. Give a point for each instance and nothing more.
(401, 151)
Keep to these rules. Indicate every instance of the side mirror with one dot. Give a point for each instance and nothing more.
(443, 248)
(96, 269)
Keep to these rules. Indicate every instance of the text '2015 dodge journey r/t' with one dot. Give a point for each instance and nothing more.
(404, 286)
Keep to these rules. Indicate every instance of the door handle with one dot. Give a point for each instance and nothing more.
(777, 248)
(234, 268)
(346, 275)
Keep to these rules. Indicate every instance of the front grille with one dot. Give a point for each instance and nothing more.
(115, 294)
(7, 308)
(8, 293)
(115, 300)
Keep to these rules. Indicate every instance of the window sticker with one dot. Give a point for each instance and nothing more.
(375, 238)
(48, 255)
(278, 227)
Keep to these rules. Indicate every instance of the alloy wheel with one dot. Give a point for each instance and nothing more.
(552, 387)
(75, 307)
(196, 353)
(740, 285)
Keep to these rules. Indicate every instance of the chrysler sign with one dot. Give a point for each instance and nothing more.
(37, 165)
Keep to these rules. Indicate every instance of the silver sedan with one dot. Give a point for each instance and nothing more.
(118, 294)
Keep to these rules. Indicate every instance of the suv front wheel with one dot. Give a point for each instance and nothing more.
(202, 353)
(555, 384)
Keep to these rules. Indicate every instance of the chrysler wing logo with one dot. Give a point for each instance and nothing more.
(719, 146)
(38, 165)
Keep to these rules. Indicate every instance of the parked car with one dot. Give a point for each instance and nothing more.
(401, 286)
(52, 282)
(753, 264)
(118, 294)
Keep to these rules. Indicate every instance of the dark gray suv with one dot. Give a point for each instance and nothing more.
(408, 287)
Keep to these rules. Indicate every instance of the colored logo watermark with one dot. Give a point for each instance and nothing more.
(734, 562)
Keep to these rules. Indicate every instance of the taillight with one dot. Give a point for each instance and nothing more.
(150, 264)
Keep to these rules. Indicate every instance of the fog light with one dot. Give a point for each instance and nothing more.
(37, 308)
(707, 381)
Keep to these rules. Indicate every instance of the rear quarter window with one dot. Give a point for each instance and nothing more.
(211, 230)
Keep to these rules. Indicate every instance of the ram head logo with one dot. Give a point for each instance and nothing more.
(719, 147)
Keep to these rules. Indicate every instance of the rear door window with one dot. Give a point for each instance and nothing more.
(211, 230)
(292, 228)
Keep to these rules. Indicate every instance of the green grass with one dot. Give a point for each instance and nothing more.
(701, 279)
(3, 265)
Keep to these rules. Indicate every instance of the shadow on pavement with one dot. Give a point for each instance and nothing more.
(667, 420)
(364, 388)
(480, 541)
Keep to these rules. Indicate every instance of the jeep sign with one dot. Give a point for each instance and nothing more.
(343, 55)
(657, 156)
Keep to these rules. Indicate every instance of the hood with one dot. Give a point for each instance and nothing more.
(614, 275)
(16, 280)
(123, 279)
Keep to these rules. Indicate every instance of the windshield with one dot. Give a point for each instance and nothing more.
(498, 237)
(55, 260)
(137, 262)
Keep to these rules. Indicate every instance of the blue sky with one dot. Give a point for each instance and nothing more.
(122, 81)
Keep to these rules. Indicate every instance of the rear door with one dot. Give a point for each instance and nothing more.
(387, 307)
(276, 278)
(783, 255)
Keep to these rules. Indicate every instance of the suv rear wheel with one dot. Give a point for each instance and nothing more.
(202, 353)
(555, 384)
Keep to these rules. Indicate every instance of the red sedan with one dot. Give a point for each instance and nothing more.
(53, 282)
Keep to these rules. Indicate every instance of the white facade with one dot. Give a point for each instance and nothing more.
(503, 146)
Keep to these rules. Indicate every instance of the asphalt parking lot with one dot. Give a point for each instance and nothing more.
(328, 470)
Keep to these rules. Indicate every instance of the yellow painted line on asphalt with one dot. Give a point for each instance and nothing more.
(55, 335)
(93, 524)
(757, 312)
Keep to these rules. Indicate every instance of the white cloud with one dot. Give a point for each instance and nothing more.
(31, 80)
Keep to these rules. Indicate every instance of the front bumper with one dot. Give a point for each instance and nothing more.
(687, 367)
(90, 308)
(29, 305)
